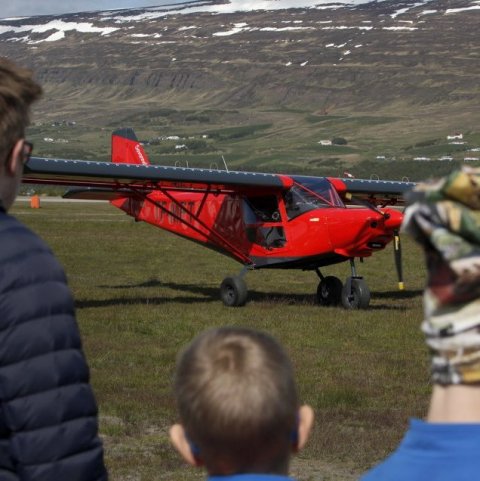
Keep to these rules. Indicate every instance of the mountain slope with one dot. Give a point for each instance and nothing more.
(383, 75)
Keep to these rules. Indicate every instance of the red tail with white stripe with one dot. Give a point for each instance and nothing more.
(126, 149)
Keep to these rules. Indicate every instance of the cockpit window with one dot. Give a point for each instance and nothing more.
(310, 193)
(261, 209)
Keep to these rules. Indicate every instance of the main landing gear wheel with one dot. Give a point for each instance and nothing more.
(233, 291)
(355, 294)
(329, 291)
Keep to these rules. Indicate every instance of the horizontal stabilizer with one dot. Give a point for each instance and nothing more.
(95, 194)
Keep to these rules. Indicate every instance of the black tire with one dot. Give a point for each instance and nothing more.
(355, 294)
(329, 291)
(233, 292)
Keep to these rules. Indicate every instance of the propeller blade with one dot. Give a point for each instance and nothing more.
(397, 251)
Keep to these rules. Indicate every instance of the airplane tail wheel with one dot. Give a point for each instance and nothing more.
(329, 291)
(355, 294)
(233, 292)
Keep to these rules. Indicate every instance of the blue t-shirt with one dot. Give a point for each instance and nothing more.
(250, 477)
(433, 452)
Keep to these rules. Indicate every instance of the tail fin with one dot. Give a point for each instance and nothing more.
(126, 149)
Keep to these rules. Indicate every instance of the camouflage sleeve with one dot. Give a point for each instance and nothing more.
(444, 218)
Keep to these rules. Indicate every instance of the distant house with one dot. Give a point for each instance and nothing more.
(325, 142)
(57, 141)
(455, 136)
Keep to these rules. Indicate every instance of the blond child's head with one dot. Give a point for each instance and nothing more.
(238, 403)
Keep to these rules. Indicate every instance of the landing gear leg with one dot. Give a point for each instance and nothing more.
(329, 290)
(355, 292)
(233, 290)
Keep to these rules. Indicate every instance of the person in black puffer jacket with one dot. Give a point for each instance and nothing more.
(48, 412)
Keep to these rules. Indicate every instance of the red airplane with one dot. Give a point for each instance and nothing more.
(261, 220)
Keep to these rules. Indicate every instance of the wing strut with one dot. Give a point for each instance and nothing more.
(238, 253)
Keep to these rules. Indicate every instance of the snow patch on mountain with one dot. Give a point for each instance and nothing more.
(58, 29)
(51, 30)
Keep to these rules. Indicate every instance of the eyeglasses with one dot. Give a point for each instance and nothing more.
(27, 151)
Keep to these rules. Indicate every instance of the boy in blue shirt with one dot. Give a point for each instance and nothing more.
(444, 218)
(239, 412)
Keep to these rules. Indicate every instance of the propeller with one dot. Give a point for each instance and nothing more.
(397, 252)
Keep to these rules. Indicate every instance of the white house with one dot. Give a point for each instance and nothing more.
(455, 136)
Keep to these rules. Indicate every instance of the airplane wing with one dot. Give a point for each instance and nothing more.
(123, 178)
(111, 180)
(376, 192)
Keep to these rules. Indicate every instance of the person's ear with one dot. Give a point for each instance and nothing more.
(305, 424)
(15, 158)
(181, 443)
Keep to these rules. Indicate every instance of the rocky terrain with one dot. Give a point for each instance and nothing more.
(392, 78)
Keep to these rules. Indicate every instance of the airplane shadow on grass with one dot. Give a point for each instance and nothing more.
(212, 294)
(209, 294)
(155, 300)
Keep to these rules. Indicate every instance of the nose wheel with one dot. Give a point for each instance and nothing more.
(354, 294)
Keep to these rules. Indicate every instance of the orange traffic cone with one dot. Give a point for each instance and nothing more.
(35, 202)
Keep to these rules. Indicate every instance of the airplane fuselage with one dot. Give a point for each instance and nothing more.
(269, 229)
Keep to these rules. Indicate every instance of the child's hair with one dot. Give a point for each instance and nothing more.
(237, 399)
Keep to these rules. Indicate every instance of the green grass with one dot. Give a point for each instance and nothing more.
(141, 294)
(235, 133)
(435, 151)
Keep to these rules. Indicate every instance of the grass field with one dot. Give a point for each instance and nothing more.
(141, 294)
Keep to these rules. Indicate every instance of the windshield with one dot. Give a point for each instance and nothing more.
(310, 193)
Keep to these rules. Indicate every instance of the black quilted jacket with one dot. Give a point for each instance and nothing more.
(48, 414)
